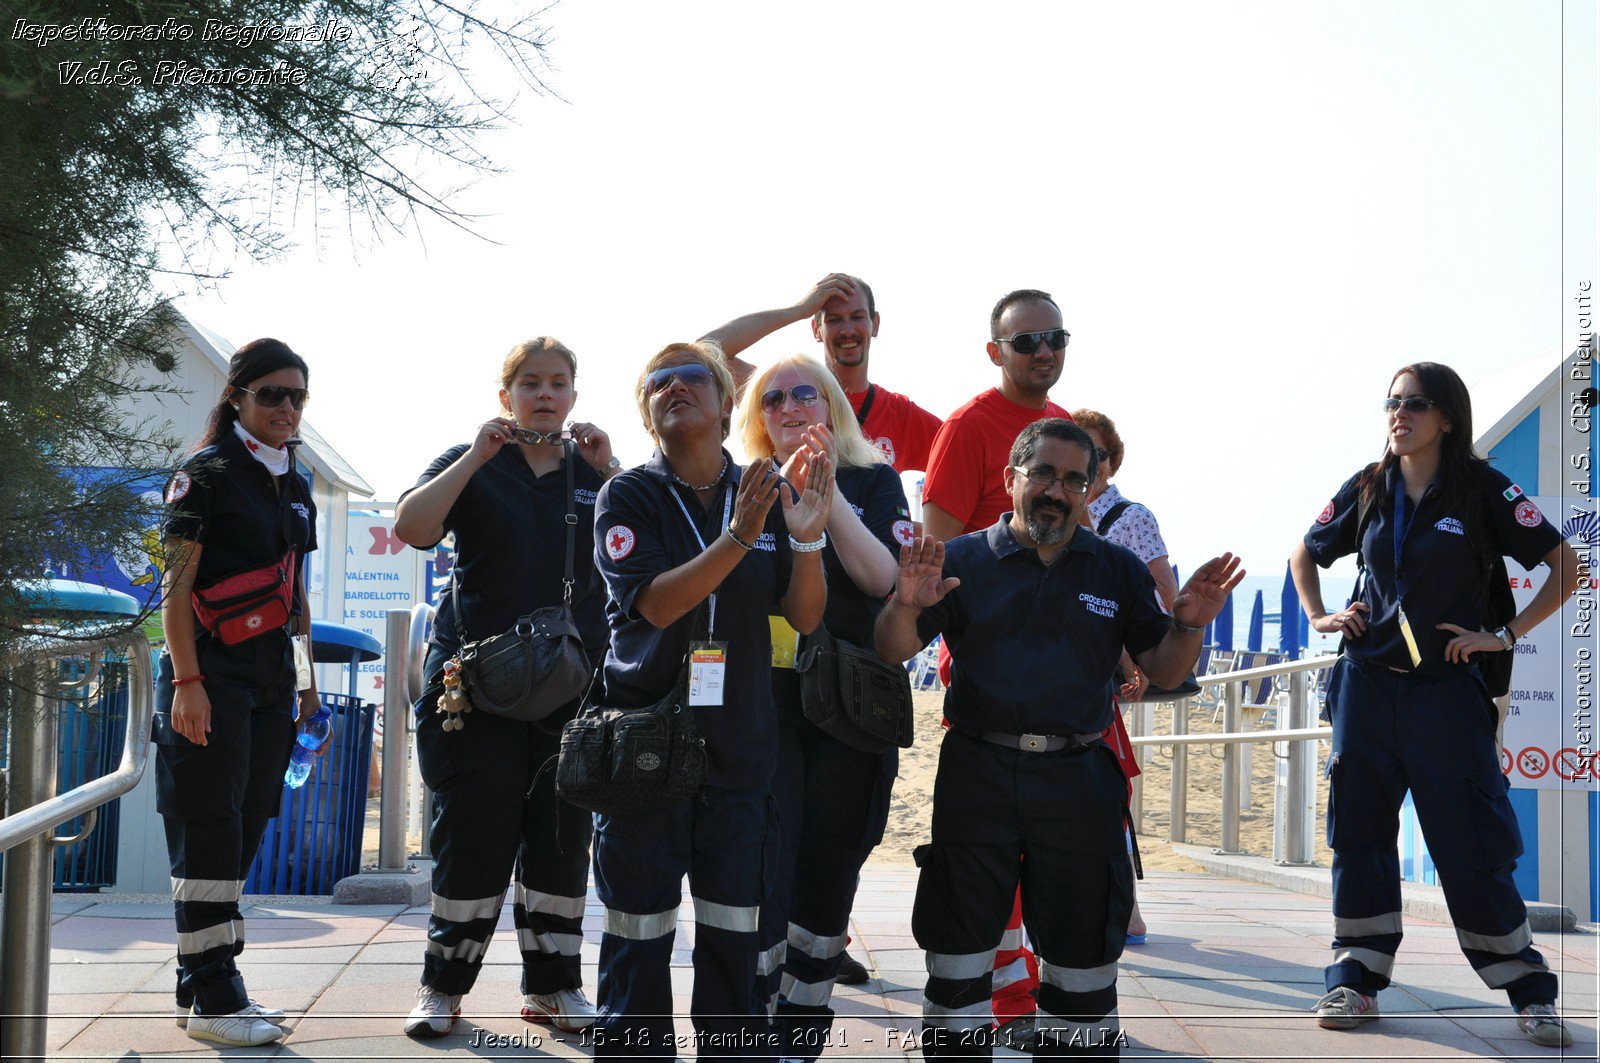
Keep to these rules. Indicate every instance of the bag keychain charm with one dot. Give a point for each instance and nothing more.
(453, 702)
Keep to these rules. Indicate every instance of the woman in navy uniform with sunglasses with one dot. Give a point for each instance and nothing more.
(692, 547)
(503, 496)
(1408, 702)
(833, 799)
(239, 524)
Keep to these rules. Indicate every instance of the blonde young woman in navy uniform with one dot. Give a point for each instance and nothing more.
(226, 713)
(684, 530)
(1409, 705)
(833, 800)
(504, 497)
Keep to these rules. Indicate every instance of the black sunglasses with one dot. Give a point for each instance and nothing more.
(1028, 342)
(528, 435)
(693, 375)
(804, 395)
(1412, 404)
(272, 396)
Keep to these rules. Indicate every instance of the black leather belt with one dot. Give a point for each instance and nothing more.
(1037, 743)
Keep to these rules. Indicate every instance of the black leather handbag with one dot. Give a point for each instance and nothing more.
(621, 762)
(853, 695)
(539, 665)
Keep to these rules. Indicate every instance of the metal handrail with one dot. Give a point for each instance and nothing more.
(19, 826)
(417, 649)
(1294, 811)
(28, 832)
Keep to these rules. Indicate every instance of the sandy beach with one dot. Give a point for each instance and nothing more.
(910, 811)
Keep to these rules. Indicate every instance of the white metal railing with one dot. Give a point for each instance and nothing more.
(34, 810)
(1294, 813)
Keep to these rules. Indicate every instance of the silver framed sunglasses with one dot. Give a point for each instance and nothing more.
(533, 438)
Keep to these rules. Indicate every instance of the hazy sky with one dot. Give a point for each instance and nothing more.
(1251, 214)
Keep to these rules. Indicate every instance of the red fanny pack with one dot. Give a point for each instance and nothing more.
(239, 607)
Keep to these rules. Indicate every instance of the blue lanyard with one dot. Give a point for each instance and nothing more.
(1401, 522)
(727, 511)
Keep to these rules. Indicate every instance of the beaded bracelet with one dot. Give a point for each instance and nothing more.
(746, 547)
(808, 548)
(196, 678)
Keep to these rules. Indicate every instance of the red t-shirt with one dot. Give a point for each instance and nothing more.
(898, 427)
(970, 454)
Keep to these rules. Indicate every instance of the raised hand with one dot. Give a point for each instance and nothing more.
(492, 435)
(920, 581)
(758, 489)
(1202, 597)
(808, 515)
(593, 444)
(833, 286)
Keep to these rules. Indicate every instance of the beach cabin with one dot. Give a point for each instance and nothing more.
(1533, 421)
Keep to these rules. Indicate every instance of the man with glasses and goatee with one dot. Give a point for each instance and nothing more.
(1037, 610)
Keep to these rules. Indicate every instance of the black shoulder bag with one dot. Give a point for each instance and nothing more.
(621, 762)
(1190, 686)
(854, 695)
(539, 665)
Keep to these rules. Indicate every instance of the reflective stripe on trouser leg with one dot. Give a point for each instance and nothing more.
(552, 882)
(215, 801)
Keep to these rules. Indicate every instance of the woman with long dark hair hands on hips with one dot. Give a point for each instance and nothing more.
(1408, 700)
(694, 549)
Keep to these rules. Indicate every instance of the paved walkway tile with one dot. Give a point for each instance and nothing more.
(1230, 972)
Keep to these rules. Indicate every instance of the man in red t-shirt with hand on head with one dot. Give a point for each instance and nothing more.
(844, 319)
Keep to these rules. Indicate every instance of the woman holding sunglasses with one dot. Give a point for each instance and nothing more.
(833, 800)
(504, 498)
(1428, 521)
(239, 524)
(694, 551)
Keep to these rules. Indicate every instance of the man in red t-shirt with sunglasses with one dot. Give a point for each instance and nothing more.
(844, 319)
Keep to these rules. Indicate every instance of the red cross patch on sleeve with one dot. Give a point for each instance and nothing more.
(619, 542)
(1326, 515)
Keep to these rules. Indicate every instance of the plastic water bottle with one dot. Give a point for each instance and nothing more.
(312, 738)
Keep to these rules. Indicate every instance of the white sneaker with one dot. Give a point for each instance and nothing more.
(1543, 1026)
(565, 1009)
(434, 1014)
(1345, 1009)
(244, 1028)
(272, 1015)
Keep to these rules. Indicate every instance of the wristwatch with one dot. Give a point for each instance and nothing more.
(1507, 637)
(615, 464)
(1186, 629)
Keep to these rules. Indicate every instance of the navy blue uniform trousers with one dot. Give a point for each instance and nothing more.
(490, 820)
(1052, 822)
(719, 839)
(1433, 735)
(215, 801)
(833, 805)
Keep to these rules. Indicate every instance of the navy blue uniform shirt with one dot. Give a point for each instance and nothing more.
(1034, 648)
(225, 500)
(879, 499)
(1443, 575)
(640, 532)
(511, 542)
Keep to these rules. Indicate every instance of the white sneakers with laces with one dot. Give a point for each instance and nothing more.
(565, 1009)
(243, 1029)
(434, 1014)
(1345, 1009)
(1543, 1026)
(273, 1015)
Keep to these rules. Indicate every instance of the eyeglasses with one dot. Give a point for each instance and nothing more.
(1412, 404)
(528, 435)
(272, 396)
(804, 395)
(1073, 485)
(1028, 342)
(692, 375)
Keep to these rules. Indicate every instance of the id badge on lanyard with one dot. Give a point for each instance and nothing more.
(1400, 522)
(708, 659)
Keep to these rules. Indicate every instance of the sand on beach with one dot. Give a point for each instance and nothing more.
(912, 804)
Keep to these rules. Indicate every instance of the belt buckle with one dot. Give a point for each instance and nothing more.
(1034, 743)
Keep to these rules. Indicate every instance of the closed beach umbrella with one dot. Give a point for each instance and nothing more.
(1258, 623)
(1289, 613)
(1222, 627)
